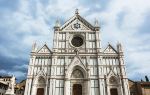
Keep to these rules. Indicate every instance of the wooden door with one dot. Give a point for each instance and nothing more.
(40, 91)
(113, 91)
(77, 89)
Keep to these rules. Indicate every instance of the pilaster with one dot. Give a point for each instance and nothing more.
(67, 87)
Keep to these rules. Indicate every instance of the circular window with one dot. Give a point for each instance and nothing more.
(77, 41)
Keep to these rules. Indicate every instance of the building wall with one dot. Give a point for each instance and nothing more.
(139, 88)
(145, 91)
(98, 70)
(4, 83)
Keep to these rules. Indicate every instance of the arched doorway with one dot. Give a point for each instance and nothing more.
(40, 86)
(77, 82)
(40, 91)
(113, 91)
(113, 83)
(77, 89)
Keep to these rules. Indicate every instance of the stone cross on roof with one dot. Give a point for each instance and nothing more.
(77, 12)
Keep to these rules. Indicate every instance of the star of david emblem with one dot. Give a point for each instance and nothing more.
(77, 25)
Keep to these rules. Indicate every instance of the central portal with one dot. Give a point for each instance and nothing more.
(40, 91)
(77, 89)
(113, 91)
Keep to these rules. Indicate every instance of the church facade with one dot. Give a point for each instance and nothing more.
(77, 65)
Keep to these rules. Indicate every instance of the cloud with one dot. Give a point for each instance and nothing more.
(130, 15)
(126, 21)
(9, 5)
(26, 21)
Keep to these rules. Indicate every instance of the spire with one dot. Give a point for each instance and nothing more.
(119, 47)
(34, 47)
(57, 23)
(96, 23)
(76, 12)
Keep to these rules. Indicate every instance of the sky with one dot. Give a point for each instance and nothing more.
(23, 22)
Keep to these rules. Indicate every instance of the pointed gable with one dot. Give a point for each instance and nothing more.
(76, 64)
(110, 49)
(77, 23)
(111, 73)
(44, 49)
(77, 61)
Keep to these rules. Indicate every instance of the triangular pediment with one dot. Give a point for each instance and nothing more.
(77, 23)
(77, 61)
(111, 73)
(44, 49)
(110, 49)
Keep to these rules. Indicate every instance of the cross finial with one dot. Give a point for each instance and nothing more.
(76, 12)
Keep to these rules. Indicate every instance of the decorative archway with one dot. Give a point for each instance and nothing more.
(114, 86)
(77, 80)
(76, 64)
(39, 85)
(76, 75)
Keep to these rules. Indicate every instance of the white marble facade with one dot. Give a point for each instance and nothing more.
(77, 59)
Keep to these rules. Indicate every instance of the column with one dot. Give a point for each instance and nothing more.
(67, 87)
(26, 87)
(50, 87)
(46, 86)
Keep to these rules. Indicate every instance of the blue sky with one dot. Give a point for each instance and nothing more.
(24, 21)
